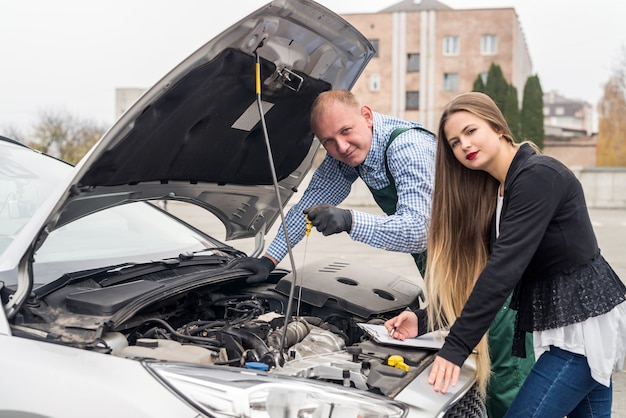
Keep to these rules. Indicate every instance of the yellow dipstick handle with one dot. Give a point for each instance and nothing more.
(257, 77)
(397, 362)
(309, 225)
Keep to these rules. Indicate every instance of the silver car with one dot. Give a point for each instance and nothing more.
(114, 307)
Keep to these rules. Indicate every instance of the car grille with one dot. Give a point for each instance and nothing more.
(472, 405)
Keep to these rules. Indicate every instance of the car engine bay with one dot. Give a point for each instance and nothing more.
(227, 322)
(245, 328)
(222, 321)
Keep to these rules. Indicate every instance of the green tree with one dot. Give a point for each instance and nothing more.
(503, 94)
(611, 147)
(479, 85)
(532, 112)
(511, 111)
(496, 86)
(64, 136)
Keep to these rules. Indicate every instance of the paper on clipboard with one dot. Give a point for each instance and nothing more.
(433, 340)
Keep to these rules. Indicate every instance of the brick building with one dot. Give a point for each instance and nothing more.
(427, 53)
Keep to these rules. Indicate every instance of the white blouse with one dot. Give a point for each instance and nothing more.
(600, 338)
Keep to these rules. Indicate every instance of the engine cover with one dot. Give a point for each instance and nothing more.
(361, 290)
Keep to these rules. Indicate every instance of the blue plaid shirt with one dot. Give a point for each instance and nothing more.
(411, 160)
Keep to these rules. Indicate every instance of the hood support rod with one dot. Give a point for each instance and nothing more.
(277, 190)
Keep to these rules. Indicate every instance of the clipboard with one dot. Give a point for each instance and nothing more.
(432, 340)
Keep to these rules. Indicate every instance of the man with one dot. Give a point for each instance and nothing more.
(395, 159)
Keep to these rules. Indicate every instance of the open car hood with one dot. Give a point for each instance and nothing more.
(197, 135)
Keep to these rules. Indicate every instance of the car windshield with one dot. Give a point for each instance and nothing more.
(26, 180)
(135, 231)
(132, 233)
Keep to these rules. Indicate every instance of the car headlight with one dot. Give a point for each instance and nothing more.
(228, 392)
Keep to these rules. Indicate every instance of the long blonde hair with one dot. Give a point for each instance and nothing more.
(464, 201)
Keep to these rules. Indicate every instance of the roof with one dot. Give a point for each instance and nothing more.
(568, 107)
(416, 5)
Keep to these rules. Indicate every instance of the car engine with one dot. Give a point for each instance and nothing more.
(221, 320)
(245, 326)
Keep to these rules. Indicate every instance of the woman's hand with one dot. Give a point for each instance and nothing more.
(443, 374)
(402, 326)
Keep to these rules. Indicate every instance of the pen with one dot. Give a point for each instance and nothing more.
(393, 330)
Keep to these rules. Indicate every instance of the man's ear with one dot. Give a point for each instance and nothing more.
(368, 115)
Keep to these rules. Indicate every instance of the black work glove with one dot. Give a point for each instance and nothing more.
(329, 219)
(261, 267)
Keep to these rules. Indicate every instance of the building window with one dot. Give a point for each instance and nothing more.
(413, 63)
(483, 77)
(451, 81)
(559, 111)
(375, 82)
(412, 100)
(451, 45)
(374, 43)
(489, 44)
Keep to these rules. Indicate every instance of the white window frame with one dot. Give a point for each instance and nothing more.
(451, 45)
(375, 83)
(489, 44)
(415, 93)
(483, 76)
(451, 81)
(411, 58)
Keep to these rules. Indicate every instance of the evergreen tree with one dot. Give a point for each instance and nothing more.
(532, 112)
(511, 112)
(496, 86)
(479, 86)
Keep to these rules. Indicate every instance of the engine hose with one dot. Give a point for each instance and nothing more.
(210, 343)
(313, 320)
(249, 339)
(197, 327)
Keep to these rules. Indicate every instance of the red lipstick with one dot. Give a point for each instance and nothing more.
(470, 156)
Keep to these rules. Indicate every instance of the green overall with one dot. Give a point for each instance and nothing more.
(508, 372)
(387, 197)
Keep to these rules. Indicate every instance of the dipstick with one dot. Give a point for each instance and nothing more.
(307, 232)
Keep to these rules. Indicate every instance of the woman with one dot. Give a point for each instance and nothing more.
(541, 247)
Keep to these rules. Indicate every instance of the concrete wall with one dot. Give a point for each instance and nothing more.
(605, 187)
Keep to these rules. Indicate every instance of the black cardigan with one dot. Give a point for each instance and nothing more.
(546, 251)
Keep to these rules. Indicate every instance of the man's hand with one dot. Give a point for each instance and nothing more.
(261, 267)
(329, 219)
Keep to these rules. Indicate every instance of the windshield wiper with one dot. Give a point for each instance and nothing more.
(75, 277)
(115, 274)
(227, 249)
(184, 260)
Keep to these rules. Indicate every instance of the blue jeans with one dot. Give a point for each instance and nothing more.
(559, 385)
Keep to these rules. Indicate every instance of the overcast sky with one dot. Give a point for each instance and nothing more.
(71, 55)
